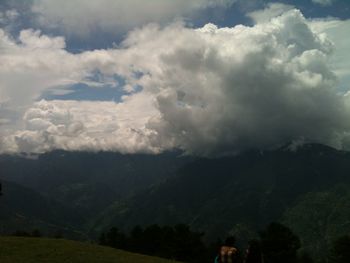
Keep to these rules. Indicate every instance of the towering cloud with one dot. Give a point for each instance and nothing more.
(208, 91)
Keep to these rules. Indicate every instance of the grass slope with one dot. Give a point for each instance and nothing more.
(30, 250)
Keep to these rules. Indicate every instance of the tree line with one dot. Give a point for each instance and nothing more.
(276, 243)
(173, 242)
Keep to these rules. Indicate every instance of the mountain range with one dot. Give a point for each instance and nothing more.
(82, 194)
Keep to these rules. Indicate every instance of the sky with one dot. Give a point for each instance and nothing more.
(208, 77)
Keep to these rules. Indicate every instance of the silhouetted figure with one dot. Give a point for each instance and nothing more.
(254, 253)
(228, 253)
(0, 189)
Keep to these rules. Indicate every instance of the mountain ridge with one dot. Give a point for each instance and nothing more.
(229, 195)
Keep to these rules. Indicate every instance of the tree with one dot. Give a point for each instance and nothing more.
(102, 240)
(114, 238)
(58, 234)
(20, 233)
(279, 244)
(305, 258)
(174, 242)
(340, 250)
(254, 253)
(135, 243)
(36, 233)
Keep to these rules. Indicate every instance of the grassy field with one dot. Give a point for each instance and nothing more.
(36, 250)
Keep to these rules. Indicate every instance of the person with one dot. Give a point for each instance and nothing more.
(228, 253)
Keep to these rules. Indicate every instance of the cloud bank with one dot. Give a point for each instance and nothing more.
(85, 16)
(84, 126)
(207, 91)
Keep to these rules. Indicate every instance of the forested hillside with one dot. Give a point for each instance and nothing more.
(85, 194)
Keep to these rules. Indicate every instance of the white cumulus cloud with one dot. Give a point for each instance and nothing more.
(207, 91)
(84, 125)
(337, 30)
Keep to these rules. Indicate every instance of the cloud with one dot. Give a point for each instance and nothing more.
(30, 65)
(272, 10)
(335, 30)
(8, 16)
(33, 63)
(82, 17)
(323, 2)
(84, 125)
(207, 91)
(249, 87)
